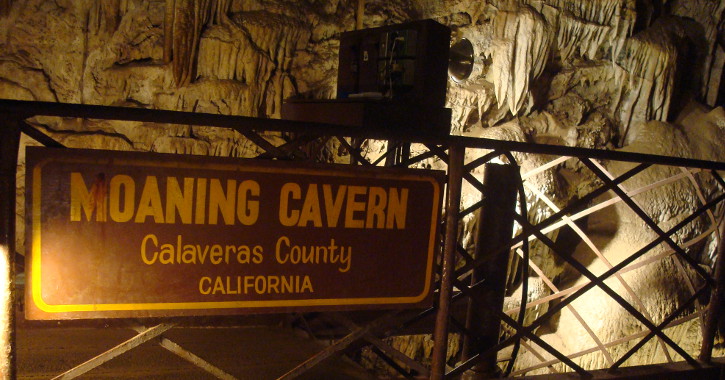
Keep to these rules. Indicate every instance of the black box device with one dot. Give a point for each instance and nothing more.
(391, 77)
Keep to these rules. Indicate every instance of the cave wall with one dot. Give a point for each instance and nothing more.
(606, 65)
(610, 74)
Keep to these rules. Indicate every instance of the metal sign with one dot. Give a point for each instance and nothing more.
(125, 234)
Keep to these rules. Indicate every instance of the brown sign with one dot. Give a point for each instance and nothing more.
(122, 234)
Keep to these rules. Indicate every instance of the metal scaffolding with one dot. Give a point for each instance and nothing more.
(458, 279)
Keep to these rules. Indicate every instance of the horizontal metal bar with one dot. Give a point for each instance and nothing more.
(32, 108)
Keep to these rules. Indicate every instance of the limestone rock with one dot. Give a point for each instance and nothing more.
(47, 37)
(589, 29)
(708, 15)
(183, 24)
(649, 63)
(520, 50)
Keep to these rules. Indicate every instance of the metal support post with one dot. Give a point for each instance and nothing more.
(9, 143)
(716, 298)
(495, 227)
(440, 334)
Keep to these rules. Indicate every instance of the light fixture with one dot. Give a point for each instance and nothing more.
(460, 60)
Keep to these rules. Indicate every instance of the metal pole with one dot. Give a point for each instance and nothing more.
(9, 144)
(495, 227)
(440, 335)
(715, 306)
(359, 14)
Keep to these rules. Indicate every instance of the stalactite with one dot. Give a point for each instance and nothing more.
(521, 47)
(104, 17)
(255, 48)
(647, 79)
(577, 35)
(183, 23)
(230, 53)
(709, 14)
(585, 27)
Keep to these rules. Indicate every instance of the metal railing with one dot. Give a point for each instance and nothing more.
(463, 159)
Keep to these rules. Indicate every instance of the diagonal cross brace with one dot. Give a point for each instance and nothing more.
(530, 334)
(122, 348)
(382, 345)
(354, 152)
(650, 223)
(179, 351)
(556, 216)
(619, 299)
(559, 306)
(337, 347)
(660, 327)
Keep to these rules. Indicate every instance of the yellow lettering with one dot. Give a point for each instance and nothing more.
(243, 254)
(218, 286)
(188, 255)
(129, 195)
(87, 200)
(150, 202)
(248, 283)
(354, 206)
(260, 285)
(376, 208)
(281, 258)
(289, 191)
(397, 209)
(166, 256)
(311, 208)
(218, 201)
(333, 207)
(200, 210)
(248, 215)
(257, 252)
(306, 285)
(215, 256)
(287, 284)
(272, 283)
(155, 242)
(229, 287)
(205, 289)
(176, 200)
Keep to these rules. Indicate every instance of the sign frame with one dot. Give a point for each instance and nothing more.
(38, 308)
